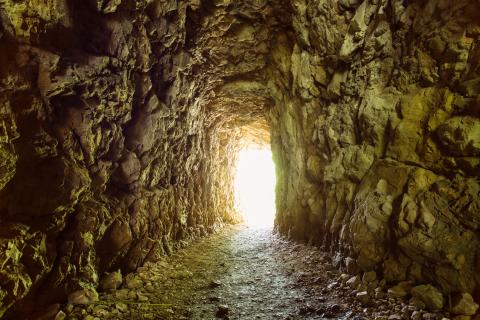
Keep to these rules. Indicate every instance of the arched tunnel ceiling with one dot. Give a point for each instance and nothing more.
(229, 55)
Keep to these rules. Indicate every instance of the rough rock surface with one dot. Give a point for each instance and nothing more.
(120, 120)
(375, 133)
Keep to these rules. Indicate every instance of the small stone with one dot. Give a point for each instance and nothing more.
(84, 296)
(401, 290)
(463, 304)
(222, 312)
(100, 311)
(122, 307)
(60, 315)
(416, 315)
(430, 295)
(132, 282)
(150, 288)
(363, 297)
(344, 278)
(353, 282)
(122, 294)
(395, 317)
(372, 285)
(379, 295)
(429, 316)
(132, 295)
(141, 297)
(333, 285)
(68, 308)
(362, 287)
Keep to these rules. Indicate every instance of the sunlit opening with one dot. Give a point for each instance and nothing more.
(255, 186)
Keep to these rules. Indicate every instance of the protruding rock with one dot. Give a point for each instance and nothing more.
(430, 295)
(463, 304)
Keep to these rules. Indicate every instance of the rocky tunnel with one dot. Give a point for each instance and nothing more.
(121, 121)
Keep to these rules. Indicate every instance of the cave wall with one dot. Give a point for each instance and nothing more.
(376, 135)
(120, 119)
(114, 144)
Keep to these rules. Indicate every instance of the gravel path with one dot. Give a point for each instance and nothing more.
(239, 273)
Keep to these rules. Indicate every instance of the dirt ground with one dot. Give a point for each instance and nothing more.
(239, 273)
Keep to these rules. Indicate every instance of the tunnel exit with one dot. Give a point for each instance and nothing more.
(255, 186)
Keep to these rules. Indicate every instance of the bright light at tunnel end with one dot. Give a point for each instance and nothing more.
(255, 186)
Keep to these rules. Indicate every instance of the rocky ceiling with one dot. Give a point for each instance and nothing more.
(120, 121)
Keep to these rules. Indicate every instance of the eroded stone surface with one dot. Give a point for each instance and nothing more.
(378, 157)
(119, 122)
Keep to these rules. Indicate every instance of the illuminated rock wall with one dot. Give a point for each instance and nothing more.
(119, 123)
(117, 134)
(376, 132)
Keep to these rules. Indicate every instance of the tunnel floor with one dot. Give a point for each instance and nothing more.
(239, 273)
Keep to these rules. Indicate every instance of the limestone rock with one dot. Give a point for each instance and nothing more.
(461, 136)
(119, 122)
(430, 295)
(463, 304)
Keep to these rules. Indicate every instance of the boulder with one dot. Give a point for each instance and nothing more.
(463, 304)
(430, 295)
